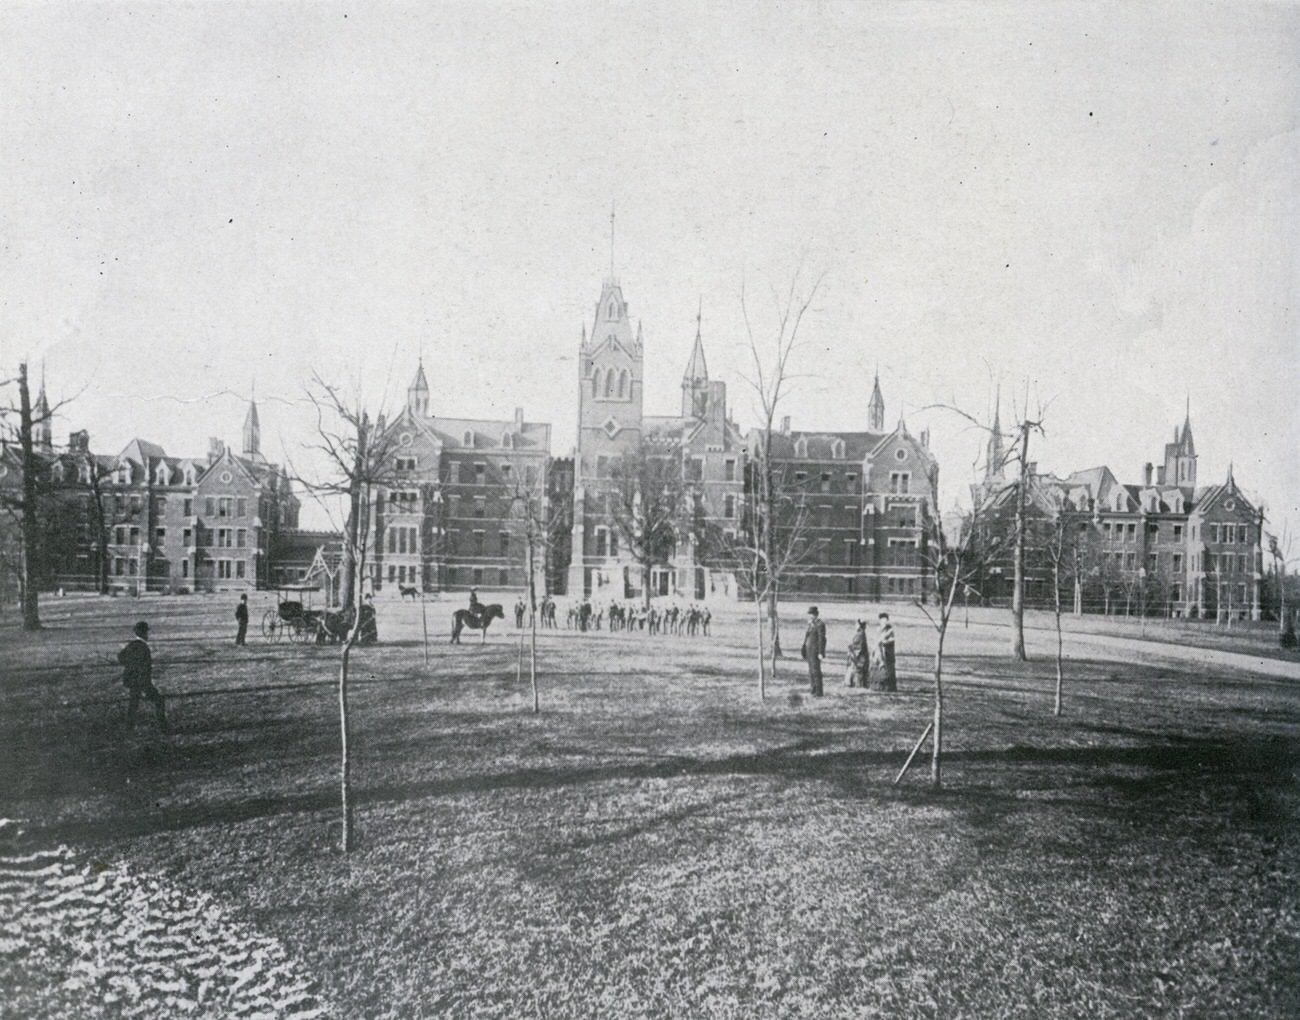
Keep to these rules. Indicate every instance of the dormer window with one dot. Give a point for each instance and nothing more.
(124, 474)
(1120, 503)
(507, 440)
(57, 472)
(189, 476)
(801, 447)
(837, 449)
(469, 437)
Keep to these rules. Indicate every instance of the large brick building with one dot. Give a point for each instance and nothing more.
(449, 515)
(612, 423)
(1165, 545)
(165, 523)
(865, 503)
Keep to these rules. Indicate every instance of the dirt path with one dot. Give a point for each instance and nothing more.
(87, 939)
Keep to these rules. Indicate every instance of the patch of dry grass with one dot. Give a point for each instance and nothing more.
(659, 843)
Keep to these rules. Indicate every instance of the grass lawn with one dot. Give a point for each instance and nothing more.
(658, 842)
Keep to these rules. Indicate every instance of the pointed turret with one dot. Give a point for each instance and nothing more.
(876, 408)
(42, 427)
(695, 380)
(252, 430)
(995, 456)
(1180, 455)
(417, 394)
(1186, 447)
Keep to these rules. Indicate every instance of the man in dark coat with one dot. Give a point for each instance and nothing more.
(859, 657)
(137, 677)
(885, 647)
(814, 650)
(241, 618)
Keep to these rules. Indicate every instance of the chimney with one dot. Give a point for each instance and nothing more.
(1160, 476)
(925, 438)
(1146, 473)
(216, 449)
(785, 425)
(519, 419)
(79, 442)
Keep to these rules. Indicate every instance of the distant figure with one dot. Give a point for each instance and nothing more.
(137, 676)
(814, 650)
(241, 618)
(519, 614)
(859, 657)
(475, 606)
(885, 648)
(705, 617)
(369, 632)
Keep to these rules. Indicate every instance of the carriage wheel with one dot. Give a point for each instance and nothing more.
(271, 625)
(304, 631)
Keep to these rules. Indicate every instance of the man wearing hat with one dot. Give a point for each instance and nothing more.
(137, 676)
(241, 619)
(814, 649)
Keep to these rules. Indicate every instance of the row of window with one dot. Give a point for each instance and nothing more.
(129, 566)
(1230, 534)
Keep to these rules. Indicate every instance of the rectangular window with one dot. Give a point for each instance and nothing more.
(187, 537)
(900, 482)
(1214, 532)
(392, 573)
(401, 539)
(695, 469)
(1105, 528)
(135, 504)
(850, 552)
(241, 538)
(132, 566)
(135, 536)
(478, 543)
(189, 508)
(210, 506)
(1178, 563)
(1132, 532)
(479, 506)
(241, 508)
(826, 481)
(800, 477)
(239, 568)
(729, 506)
(466, 473)
(729, 469)
(160, 537)
(223, 569)
(503, 578)
(480, 474)
(602, 542)
(185, 568)
(478, 576)
(505, 543)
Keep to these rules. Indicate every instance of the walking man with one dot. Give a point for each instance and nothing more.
(137, 677)
(814, 650)
(885, 647)
(241, 618)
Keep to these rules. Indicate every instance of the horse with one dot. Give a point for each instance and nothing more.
(463, 618)
(413, 592)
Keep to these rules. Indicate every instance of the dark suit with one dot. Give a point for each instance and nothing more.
(137, 676)
(814, 647)
(241, 617)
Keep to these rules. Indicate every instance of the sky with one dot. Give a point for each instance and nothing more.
(1093, 207)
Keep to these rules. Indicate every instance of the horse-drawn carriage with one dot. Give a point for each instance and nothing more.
(294, 619)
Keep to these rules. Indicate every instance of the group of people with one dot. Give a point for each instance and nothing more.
(870, 664)
(690, 620)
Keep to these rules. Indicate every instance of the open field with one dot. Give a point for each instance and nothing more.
(657, 842)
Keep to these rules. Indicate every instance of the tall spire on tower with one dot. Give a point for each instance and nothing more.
(252, 427)
(876, 408)
(695, 380)
(417, 394)
(611, 239)
(42, 428)
(995, 455)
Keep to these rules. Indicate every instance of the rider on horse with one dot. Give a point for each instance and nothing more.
(475, 606)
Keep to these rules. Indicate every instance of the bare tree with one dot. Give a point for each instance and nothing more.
(540, 523)
(957, 562)
(359, 458)
(648, 503)
(771, 542)
(19, 422)
(1018, 453)
(771, 382)
(1066, 556)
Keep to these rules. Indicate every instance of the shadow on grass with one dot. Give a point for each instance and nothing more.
(1239, 770)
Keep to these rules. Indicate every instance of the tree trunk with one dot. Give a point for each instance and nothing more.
(532, 618)
(645, 585)
(1056, 590)
(936, 737)
(1018, 580)
(345, 752)
(31, 539)
(762, 674)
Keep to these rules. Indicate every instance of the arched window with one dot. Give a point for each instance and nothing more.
(837, 449)
(1120, 502)
(613, 309)
(124, 474)
(609, 383)
(801, 447)
(507, 440)
(56, 472)
(622, 384)
(189, 476)
(469, 437)
(595, 382)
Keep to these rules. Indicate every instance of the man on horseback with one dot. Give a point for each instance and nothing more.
(475, 606)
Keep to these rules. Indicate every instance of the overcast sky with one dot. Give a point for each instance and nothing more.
(1097, 201)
